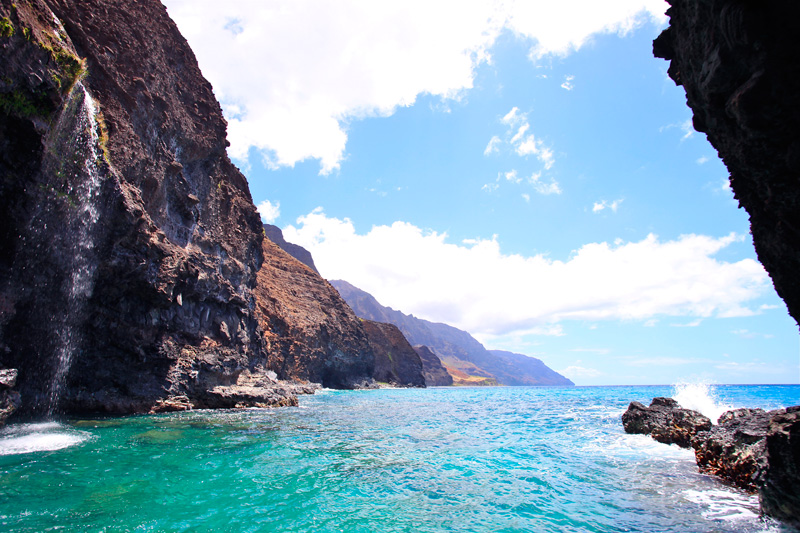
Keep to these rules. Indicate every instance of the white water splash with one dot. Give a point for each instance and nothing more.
(76, 133)
(700, 397)
(47, 436)
(722, 504)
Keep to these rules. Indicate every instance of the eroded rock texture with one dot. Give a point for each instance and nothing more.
(739, 63)
(665, 421)
(396, 362)
(780, 493)
(310, 333)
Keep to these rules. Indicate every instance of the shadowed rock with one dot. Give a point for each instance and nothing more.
(780, 493)
(435, 373)
(396, 362)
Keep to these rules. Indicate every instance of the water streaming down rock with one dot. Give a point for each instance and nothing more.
(73, 165)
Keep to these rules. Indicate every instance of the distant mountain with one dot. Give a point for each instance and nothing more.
(275, 234)
(457, 349)
(435, 373)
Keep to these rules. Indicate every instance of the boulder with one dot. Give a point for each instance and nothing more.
(9, 398)
(665, 421)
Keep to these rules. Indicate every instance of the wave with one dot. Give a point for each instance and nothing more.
(40, 437)
(700, 397)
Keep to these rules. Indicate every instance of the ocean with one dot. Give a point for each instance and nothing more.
(497, 459)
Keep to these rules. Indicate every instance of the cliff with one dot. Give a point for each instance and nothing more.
(466, 359)
(434, 372)
(130, 249)
(738, 62)
(396, 362)
(310, 333)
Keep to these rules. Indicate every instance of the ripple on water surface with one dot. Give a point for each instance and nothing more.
(437, 460)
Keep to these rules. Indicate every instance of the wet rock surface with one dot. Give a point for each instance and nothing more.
(9, 398)
(435, 373)
(738, 62)
(753, 449)
(665, 421)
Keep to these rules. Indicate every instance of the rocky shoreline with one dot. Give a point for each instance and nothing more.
(753, 449)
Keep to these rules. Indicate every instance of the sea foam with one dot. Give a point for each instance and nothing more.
(700, 397)
(42, 437)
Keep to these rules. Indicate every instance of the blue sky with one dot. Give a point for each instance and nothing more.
(516, 170)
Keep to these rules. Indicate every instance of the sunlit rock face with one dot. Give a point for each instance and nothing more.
(739, 64)
(130, 248)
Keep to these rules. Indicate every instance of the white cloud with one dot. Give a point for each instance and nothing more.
(492, 146)
(688, 129)
(692, 324)
(568, 82)
(269, 212)
(526, 197)
(702, 160)
(476, 287)
(578, 372)
(291, 74)
(541, 187)
(603, 204)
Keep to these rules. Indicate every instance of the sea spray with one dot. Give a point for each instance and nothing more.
(73, 167)
(700, 397)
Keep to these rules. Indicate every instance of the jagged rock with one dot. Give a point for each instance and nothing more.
(396, 362)
(735, 448)
(739, 64)
(665, 421)
(780, 492)
(435, 373)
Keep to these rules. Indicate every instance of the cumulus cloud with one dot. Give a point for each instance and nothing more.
(269, 212)
(492, 146)
(603, 204)
(291, 74)
(473, 285)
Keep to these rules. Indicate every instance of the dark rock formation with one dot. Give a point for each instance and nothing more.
(9, 398)
(396, 362)
(749, 448)
(780, 493)
(275, 234)
(665, 421)
(739, 64)
(735, 448)
(435, 373)
(309, 331)
(459, 351)
(131, 252)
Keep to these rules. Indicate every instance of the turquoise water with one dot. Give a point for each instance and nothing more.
(442, 459)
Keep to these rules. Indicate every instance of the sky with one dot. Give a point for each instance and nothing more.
(522, 170)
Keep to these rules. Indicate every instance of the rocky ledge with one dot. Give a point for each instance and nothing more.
(9, 398)
(753, 449)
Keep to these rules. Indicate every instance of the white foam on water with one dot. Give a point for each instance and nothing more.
(699, 397)
(41, 437)
(724, 504)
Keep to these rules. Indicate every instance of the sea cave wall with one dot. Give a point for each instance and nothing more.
(739, 65)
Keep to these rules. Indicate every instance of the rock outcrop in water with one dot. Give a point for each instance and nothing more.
(738, 62)
(665, 421)
(9, 397)
(749, 448)
(131, 254)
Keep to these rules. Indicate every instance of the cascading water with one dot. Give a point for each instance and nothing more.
(74, 173)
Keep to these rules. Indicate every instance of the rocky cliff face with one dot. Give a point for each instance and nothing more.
(310, 333)
(468, 362)
(738, 63)
(396, 362)
(130, 249)
(435, 373)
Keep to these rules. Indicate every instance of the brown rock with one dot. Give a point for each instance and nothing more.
(432, 368)
(396, 362)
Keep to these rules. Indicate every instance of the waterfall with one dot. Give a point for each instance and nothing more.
(74, 170)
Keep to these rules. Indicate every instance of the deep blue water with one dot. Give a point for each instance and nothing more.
(442, 459)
